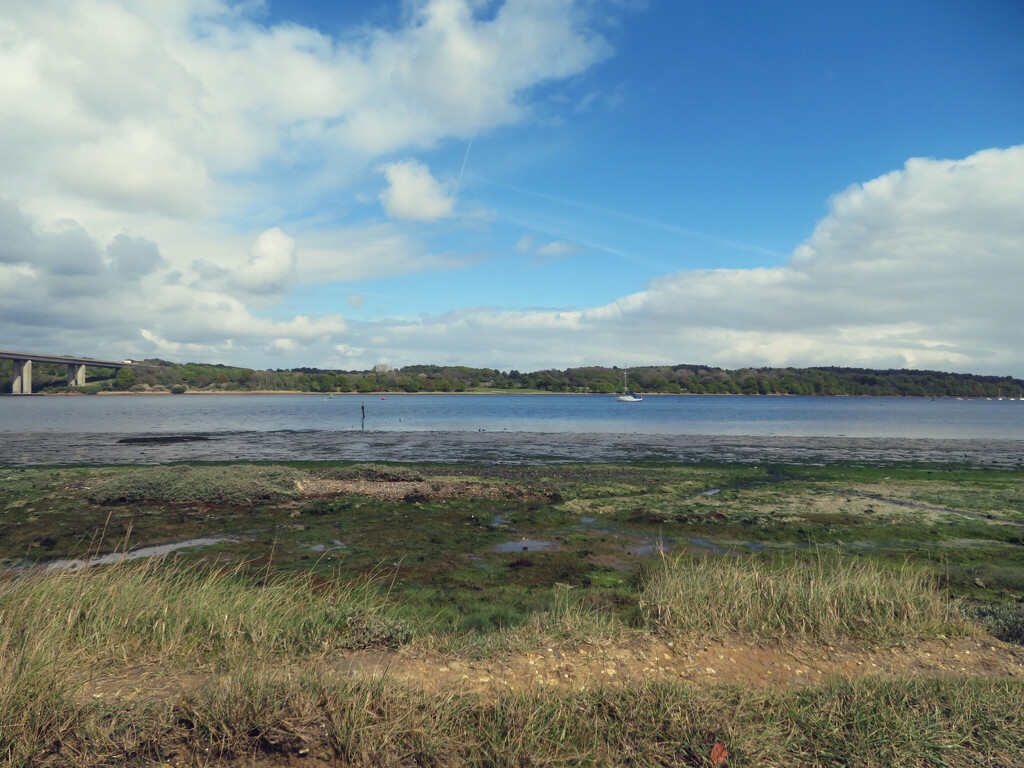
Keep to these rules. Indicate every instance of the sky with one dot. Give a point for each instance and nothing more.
(518, 184)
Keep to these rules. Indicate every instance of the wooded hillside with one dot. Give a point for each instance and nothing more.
(161, 375)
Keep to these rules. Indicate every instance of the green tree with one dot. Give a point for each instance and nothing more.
(125, 379)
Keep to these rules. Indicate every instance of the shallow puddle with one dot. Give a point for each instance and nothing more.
(524, 545)
(336, 544)
(142, 553)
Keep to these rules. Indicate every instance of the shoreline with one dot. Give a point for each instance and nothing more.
(513, 392)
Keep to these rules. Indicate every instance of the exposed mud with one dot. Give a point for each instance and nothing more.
(164, 439)
(35, 448)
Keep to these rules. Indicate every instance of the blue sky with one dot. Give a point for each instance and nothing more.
(517, 184)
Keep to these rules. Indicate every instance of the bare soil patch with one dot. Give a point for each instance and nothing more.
(410, 490)
(734, 659)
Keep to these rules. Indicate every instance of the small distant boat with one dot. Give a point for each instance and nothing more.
(627, 396)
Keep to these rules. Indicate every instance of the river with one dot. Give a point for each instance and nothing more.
(92, 429)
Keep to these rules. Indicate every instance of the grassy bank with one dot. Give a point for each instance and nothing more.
(269, 636)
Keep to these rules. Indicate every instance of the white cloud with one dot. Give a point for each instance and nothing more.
(136, 170)
(146, 105)
(414, 194)
(918, 268)
(59, 289)
(270, 265)
(525, 243)
(367, 252)
(185, 125)
(558, 249)
(282, 345)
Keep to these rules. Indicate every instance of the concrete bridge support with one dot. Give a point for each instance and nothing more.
(76, 375)
(22, 384)
(22, 377)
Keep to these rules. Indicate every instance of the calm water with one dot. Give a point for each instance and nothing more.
(661, 415)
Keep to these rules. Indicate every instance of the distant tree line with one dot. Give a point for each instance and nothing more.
(155, 375)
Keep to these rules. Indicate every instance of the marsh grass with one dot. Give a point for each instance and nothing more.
(206, 484)
(822, 597)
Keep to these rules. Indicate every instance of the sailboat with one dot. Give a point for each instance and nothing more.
(627, 396)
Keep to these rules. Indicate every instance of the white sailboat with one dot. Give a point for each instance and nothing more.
(627, 396)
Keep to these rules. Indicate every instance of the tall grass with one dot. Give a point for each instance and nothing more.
(824, 597)
(163, 610)
(57, 628)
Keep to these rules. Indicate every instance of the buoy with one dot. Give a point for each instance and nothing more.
(383, 398)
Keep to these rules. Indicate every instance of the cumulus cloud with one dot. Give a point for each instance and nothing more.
(134, 257)
(140, 108)
(414, 194)
(60, 289)
(919, 268)
(139, 170)
(189, 122)
(271, 264)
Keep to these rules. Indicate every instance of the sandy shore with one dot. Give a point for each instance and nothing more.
(31, 448)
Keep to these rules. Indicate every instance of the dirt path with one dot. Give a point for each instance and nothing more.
(729, 660)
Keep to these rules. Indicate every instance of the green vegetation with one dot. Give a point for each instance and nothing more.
(371, 472)
(268, 645)
(155, 375)
(182, 484)
(185, 612)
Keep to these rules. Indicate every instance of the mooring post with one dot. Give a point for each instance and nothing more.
(22, 377)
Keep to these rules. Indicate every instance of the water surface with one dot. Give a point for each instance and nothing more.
(656, 415)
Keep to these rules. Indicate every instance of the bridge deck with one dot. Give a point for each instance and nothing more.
(63, 360)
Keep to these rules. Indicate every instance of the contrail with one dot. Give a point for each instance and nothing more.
(662, 225)
(462, 170)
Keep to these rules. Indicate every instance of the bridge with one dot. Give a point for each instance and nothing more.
(76, 368)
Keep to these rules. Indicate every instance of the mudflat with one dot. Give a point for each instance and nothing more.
(35, 448)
